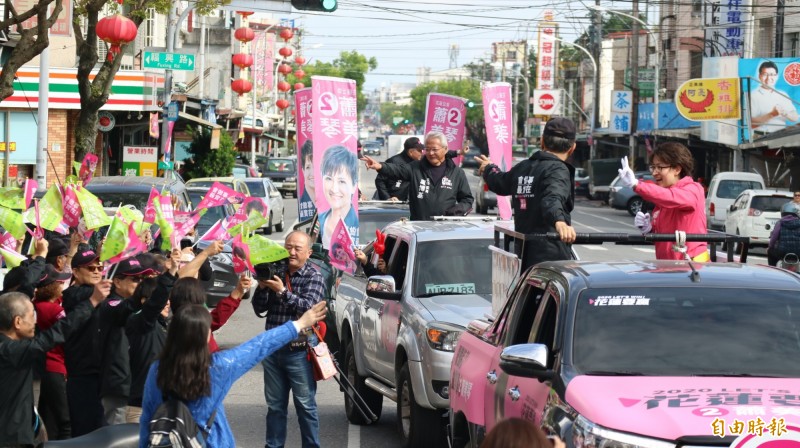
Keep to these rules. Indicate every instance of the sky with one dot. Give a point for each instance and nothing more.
(405, 34)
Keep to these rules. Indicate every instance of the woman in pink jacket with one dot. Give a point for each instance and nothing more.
(679, 200)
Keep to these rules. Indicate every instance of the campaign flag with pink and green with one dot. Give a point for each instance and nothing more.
(165, 218)
(51, 210)
(12, 222)
(497, 107)
(341, 251)
(121, 239)
(150, 208)
(220, 194)
(447, 114)
(12, 257)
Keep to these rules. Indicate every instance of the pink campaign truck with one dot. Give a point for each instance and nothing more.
(636, 354)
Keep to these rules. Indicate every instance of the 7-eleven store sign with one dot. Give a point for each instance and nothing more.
(132, 90)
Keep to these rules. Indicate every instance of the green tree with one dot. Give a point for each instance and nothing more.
(207, 162)
(350, 64)
(390, 110)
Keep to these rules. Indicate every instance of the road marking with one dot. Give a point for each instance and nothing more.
(587, 226)
(606, 219)
(591, 247)
(648, 250)
(353, 436)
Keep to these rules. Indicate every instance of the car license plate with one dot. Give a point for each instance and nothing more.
(459, 288)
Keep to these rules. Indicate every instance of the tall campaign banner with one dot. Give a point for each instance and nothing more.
(497, 109)
(303, 105)
(772, 87)
(446, 114)
(334, 132)
(263, 65)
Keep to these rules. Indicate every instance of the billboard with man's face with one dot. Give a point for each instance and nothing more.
(772, 87)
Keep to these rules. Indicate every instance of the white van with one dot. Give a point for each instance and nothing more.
(723, 190)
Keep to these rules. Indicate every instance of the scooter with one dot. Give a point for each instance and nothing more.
(125, 435)
(790, 262)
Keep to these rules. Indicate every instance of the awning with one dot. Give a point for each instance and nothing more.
(274, 137)
(785, 138)
(198, 120)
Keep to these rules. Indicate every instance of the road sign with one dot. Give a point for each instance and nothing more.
(173, 61)
(172, 111)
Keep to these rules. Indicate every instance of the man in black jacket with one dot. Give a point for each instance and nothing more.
(436, 185)
(542, 190)
(397, 189)
(20, 349)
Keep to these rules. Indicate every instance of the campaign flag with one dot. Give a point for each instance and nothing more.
(447, 114)
(30, 189)
(150, 209)
(51, 210)
(87, 168)
(185, 222)
(7, 241)
(334, 132)
(116, 238)
(218, 195)
(215, 232)
(131, 215)
(154, 125)
(264, 250)
(497, 109)
(251, 216)
(93, 212)
(241, 256)
(134, 247)
(12, 257)
(165, 218)
(70, 206)
(12, 222)
(12, 198)
(341, 251)
(303, 106)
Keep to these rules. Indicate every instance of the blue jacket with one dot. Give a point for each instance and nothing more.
(226, 367)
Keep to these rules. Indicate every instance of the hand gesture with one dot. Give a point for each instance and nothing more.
(174, 261)
(643, 222)
(101, 290)
(464, 150)
(315, 314)
(626, 176)
(276, 284)
(40, 249)
(566, 232)
(245, 282)
(214, 248)
(483, 161)
(371, 163)
(361, 256)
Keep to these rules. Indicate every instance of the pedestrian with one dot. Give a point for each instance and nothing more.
(52, 406)
(397, 189)
(20, 348)
(288, 369)
(436, 185)
(519, 433)
(187, 370)
(679, 200)
(542, 190)
(785, 236)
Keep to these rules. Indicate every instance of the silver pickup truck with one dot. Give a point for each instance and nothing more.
(398, 330)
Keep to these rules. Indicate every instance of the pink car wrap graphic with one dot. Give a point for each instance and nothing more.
(673, 407)
(471, 363)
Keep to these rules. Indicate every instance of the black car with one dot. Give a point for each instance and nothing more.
(283, 173)
(469, 159)
(375, 215)
(212, 215)
(371, 149)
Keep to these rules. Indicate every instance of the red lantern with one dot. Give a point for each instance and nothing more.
(282, 104)
(244, 34)
(285, 69)
(299, 73)
(241, 86)
(285, 52)
(245, 13)
(286, 34)
(299, 85)
(284, 86)
(300, 60)
(242, 60)
(116, 30)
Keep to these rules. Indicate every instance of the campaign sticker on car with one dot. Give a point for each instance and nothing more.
(619, 300)
(458, 288)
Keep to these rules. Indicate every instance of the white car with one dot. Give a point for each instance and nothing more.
(754, 214)
(261, 187)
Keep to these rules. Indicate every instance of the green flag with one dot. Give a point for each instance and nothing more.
(130, 214)
(116, 239)
(12, 258)
(12, 198)
(264, 250)
(51, 212)
(165, 223)
(12, 222)
(254, 221)
(93, 213)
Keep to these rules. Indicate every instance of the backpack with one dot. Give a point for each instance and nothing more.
(789, 237)
(173, 426)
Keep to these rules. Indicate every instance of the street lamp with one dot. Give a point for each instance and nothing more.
(658, 57)
(596, 86)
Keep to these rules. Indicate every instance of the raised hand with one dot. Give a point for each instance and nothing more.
(626, 176)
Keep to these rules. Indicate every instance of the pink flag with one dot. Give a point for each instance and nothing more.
(154, 125)
(497, 109)
(218, 195)
(135, 246)
(303, 109)
(71, 206)
(8, 242)
(341, 250)
(447, 114)
(334, 128)
(215, 232)
(241, 256)
(150, 209)
(88, 166)
(168, 145)
(184, 223)
(30, 189)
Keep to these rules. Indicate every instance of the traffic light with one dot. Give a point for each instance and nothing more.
(406, 121)
(470, 103)
(316, 5)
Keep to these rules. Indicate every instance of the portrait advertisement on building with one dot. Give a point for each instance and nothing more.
(772, 89)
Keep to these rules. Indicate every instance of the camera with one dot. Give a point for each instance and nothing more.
(265, 271)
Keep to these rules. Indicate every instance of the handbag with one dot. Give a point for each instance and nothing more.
(321, 359)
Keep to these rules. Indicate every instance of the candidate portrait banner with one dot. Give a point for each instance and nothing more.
(303, 105)
(334, 132)
(447, 114)
(497, 109)
(772, 89)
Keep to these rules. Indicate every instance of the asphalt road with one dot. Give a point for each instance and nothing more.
(245, 405)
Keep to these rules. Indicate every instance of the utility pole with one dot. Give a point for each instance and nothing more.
(43, 118)
(202, 58)
(779, 24)
(597, 41)
(634, 81)
(171, 26)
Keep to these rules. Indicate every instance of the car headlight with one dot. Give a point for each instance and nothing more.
(442, 336)
(291, 179)
(586, 434)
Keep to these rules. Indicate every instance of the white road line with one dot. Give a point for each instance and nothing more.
(591, 247)
(648, 250)
(606, 219)
(353, 436)
(574, 223)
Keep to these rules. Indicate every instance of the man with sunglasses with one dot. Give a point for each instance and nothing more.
(80, 354)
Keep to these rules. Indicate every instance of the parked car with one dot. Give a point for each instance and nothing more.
(631, 354)
(399, 343)
(375, 215)
(485, 199)
(135, 190)
(754, 214)
(213, 214)
(724, 188)
(624, 198)
(468, 161)
(581, 182)
(244, 171)
(264, 189)
(223, 278)
(371, 148)
(231, 182)
(283, 173)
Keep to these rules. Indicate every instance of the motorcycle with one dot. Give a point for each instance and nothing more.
(114, 436)
(790, 262)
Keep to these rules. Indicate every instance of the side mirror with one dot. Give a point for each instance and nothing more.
(731, 208)
(382, 287)
(526, 360)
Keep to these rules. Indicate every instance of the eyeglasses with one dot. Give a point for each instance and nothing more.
(95, 268)
(658, 167)
(433, 148)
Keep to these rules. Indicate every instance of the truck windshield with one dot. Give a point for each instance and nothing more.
(688, 331)
(453, 267)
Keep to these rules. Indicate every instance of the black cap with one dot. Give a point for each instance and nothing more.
(51, 275)
(57, 248)
(131, 266)
(84, 257)
(413, 143)
(560, 127)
